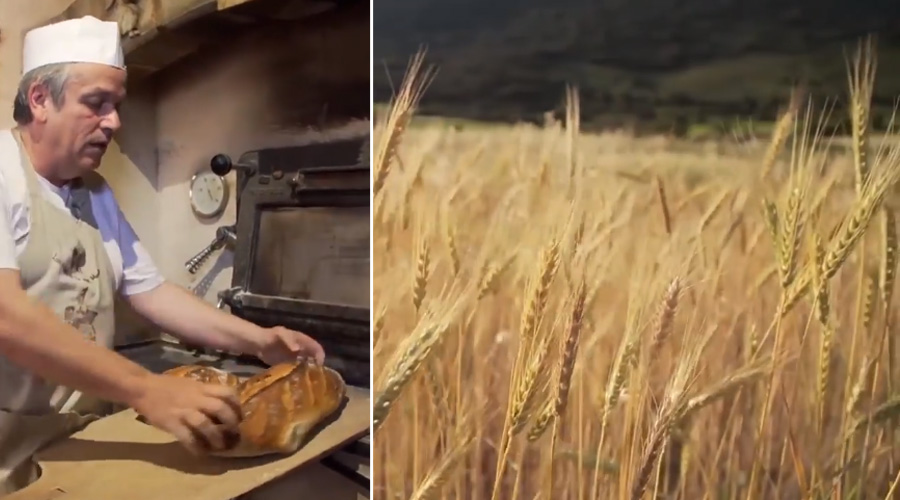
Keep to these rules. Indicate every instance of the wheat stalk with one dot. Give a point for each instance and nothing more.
(527, 388)
(431, 487)
(887, 277)
(888, 269)
(423, 263)
(529, 357)
(888, 410)
(802, 164)
(409, 359)
(625, 358)
(666, 316)
(555, 406)
(781, 132)
(573, 129)
(857, 222)
(538, 298)
(491, 277)
(770, 211)
(397, 120)
(827, 343)
(664, 205)
(453, 249)
(714, 209)
(744, 375)
(858, 389)
(545, 416)
(870, 288)
(570, 348)
(861, 75)
(670, 413)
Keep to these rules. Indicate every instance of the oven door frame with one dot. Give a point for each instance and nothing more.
(304, 188)
(339, 327)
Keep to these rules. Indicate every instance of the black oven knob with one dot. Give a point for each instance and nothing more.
(221, 165)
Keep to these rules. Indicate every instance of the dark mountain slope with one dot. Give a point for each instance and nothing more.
(663, 62)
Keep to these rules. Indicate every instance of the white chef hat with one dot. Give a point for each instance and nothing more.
(86, 39)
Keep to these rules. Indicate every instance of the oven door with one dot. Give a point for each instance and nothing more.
(302, 256)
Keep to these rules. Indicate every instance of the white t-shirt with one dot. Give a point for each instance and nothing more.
(135, 271)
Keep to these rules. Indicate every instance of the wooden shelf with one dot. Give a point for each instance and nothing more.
(207, 23)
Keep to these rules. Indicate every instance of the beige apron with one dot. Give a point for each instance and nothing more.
(64, 266)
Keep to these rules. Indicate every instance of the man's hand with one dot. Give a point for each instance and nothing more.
(281, 345)
(203, 417)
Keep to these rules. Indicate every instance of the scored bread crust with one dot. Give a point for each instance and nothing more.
(280, 406)
(205, 374)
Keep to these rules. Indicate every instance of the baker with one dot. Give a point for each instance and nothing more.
(66, 250)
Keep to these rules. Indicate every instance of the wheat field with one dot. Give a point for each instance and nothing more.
(576, 316)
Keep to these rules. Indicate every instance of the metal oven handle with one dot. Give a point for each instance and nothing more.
(225, 236)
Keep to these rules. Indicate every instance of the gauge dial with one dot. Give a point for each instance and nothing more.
(208, 193)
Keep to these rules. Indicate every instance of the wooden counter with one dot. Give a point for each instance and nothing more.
(119, 457)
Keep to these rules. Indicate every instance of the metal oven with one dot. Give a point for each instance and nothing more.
(301, 260)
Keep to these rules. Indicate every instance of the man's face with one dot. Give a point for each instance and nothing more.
(80, 130)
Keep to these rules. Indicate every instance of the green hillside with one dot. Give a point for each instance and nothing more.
(662, 63)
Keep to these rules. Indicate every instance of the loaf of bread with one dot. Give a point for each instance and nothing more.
(280, 406)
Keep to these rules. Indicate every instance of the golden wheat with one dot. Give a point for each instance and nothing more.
(397, 120)
(562, 295)
(666, 316)
(436, 479)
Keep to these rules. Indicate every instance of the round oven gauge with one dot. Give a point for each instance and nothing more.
(208, 194)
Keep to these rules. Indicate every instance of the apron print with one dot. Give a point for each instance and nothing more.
(75, 261)
(82, 319)
(80, 316)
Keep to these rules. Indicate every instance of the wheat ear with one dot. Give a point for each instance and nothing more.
(526, 361)
(888, 410)
(398, 119)
(861, 75)
(670, 414)
(410, 358)
(886, 278)
(744, 375)
(666, 316)
(431, 487)
(423, 262)
(781, 132)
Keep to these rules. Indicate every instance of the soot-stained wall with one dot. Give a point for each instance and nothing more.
(281, 84)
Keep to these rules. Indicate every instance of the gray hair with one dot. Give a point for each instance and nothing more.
(53, 76)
